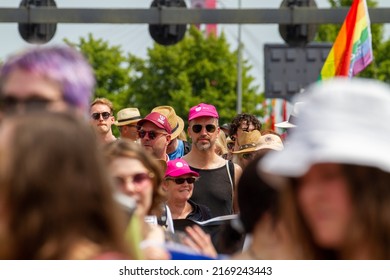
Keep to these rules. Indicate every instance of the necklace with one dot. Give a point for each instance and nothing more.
(253, 254)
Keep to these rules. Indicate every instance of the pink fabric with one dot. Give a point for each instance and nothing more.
(203, 110)
(179, 167)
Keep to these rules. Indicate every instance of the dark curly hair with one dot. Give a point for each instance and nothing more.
(236, 122)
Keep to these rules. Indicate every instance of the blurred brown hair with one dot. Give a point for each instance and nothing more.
(370, 193)
(55, 189)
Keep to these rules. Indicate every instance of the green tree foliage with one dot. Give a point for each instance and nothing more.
(380, 67)
(111, 69)
(198, 69)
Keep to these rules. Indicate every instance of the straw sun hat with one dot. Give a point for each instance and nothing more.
(127, 116)
(176, 123)
(253, 141)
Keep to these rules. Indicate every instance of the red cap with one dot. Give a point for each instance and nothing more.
(159, 120)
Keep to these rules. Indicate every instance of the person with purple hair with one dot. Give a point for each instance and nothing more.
(54, 78)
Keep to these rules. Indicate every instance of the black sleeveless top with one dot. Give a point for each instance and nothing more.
(214, 190)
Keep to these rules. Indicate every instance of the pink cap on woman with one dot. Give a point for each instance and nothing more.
(179, 167)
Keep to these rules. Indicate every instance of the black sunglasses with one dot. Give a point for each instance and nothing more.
(198, 128)
(105, 115)
(180, 181)
(151, 134)
(10, 104)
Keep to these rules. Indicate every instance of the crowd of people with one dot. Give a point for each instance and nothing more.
(71, 189)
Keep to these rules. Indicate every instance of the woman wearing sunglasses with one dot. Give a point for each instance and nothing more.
(179, 184)
(138, 175)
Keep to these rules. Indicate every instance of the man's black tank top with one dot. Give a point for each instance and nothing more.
(215, 190)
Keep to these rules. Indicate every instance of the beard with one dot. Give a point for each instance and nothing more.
(202, 146)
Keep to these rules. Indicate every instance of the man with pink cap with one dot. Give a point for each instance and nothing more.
(215, 188)
(179, 185)
(155, 134)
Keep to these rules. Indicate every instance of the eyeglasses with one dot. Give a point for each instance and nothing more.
(180, 181)
(105, 115)
(151, 134)
(10, 104)
(198, 128)
(137, 179)
(248, 156)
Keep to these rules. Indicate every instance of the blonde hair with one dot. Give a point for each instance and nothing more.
(104, 101)
(221, 144)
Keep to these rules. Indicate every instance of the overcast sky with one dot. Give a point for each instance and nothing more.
(135, 38)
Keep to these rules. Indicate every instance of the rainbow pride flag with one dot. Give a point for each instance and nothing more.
(352, 49)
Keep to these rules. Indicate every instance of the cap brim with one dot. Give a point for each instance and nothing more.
(203, 114)
(179, 128)
(285, 124)
(117, 123)
(179, 173)
(156, 123)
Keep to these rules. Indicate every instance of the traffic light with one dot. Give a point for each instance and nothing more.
(37, 33)
(167, 34)
(297, 34)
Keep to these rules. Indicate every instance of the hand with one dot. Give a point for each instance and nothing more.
(200, 241)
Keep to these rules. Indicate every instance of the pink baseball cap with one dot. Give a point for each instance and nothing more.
(179, 167)
(203, 110)
(158, 119)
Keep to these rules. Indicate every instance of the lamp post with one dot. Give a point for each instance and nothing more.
(239, 68)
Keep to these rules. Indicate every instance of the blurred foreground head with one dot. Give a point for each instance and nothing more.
(336, 170)
(56, 197)
(55, 78)
(137, 174)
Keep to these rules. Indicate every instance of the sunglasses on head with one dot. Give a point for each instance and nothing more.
(105, 115)
(180, 181)
(198, 128)
(151, 134)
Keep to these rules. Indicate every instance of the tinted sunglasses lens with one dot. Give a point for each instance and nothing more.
(196, 128)
(190, 180)
(141, 134)
(106, 115)
(9, 104)
(95, 116)
(179, 181)
(152, 135)
(210, 128)
(140, 178)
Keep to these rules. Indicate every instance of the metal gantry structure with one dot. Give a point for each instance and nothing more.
(171, 15)
(293, 15)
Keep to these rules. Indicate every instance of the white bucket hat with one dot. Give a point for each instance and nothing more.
(292, 119)
(343, 121)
